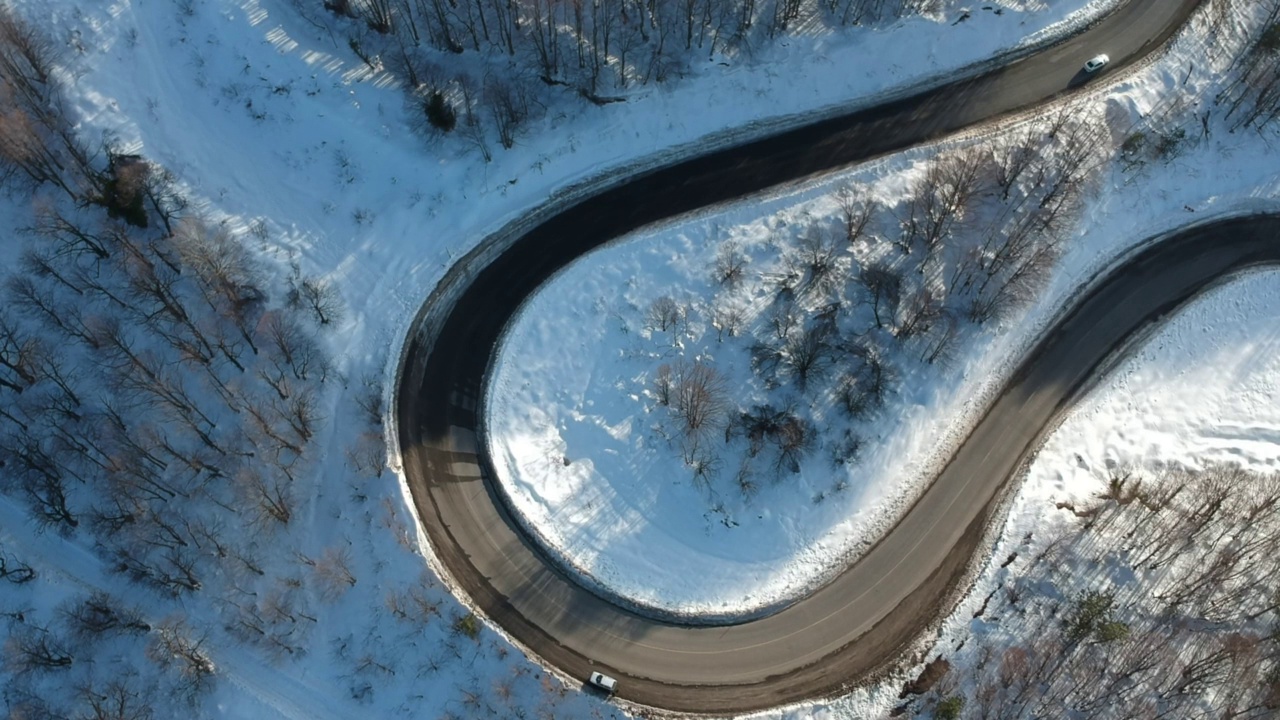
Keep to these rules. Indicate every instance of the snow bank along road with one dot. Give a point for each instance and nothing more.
(861, 620)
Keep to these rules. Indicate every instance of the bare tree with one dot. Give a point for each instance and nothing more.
(317, 295)
(71, 321)
(700, 396)
(664, 314)
(917, 314)
(509, 107)
(793, 438)
(816, 260)
(785, 320)
(99, 614)
(14, 570)
(856, 213)
(1018, 265)
(41, 478)
(144, 374)
(939, 200)
(1013, 158)
(418, 604)
(21, 355)
(163, 195)
(369, 400)
(939, 342)
(731, 265)
(171, 570)
(333, 571)
(472, 127)
(35, 649)
(174, 647)
(379, 15)
(727, 321)
(270, 495)
(368, 454)
(120, 698)
(810, 352)
(862, 390)
(301, 413)
(745, 479)
(883, 282)
(68, 233)
(227, 276)
(663, 385)
(292, 352)
(696, 395)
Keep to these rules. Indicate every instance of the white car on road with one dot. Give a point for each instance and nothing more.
(1096, 63)
(604, 682)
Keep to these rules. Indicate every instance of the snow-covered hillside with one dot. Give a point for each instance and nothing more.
(280, 137)
(1183, 427)
(587, 452)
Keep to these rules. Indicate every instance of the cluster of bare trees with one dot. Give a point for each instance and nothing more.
(95, 657)
(368, 454)
(974, 238)
(528, 50)
(154, 400)
(1028, 194)
(39, 147)
(160, 398)
(1193, 634)
(782, 430)
(37, 144)
(151, 388)
(432, 639)
(856, 299)
(1252, 99)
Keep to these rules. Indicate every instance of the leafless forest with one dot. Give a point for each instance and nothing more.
(871, 294)
(156, 401)
(1160, 603)
(164, 389)
(865, 296)
(481, 70)
(1253, 100)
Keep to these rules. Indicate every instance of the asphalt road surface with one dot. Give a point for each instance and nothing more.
(860, 621)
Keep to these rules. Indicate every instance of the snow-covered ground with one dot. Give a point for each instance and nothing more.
(275, 126)
(572, 418)
(1204, 389)
(279, 132)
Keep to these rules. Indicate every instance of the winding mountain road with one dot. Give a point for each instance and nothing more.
(862, 619)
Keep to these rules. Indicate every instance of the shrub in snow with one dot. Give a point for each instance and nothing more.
(439, 112)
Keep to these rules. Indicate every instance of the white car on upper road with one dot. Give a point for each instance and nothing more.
(1096, 63)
